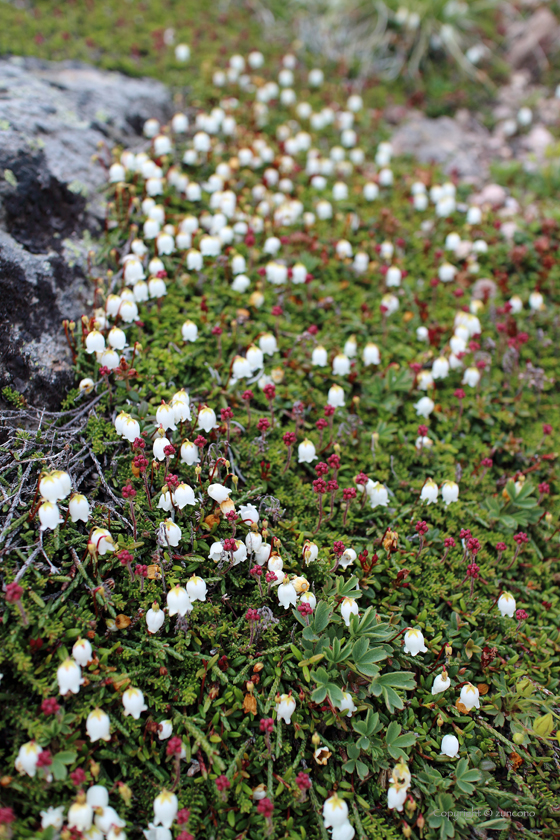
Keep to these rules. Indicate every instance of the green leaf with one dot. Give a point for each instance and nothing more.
(466, 779)
(66, 756)
(58, 769)
(322, 617)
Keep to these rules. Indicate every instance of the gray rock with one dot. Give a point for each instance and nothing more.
(459, 144)
(53, 117)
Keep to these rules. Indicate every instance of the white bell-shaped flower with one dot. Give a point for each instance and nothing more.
(396, 797)
(249, 514)
(97, 796)
(268, 344)
(306, 452)
(346, 831)
(101, 541)
(370, 354)
(335, 811)
(107, 817)
(424, 407)
(52, 817)
(441, 682)
(440, 368)
(79, 508)
(506, 604)
(241, 369)
(133, 702)
(347, 704)
(26, 761)
(165, 416)
(80, 814)
(189, 331)
(49, 516)
(207, 419)
(319, 356)
(255, 357)
(349, 607)
(98, 726)
(95, 342)
(377, 494)
(285, 707)
(429, 492)
(449, 492)
(178, 601)
(310, 551)
(414, 642)
(347, 558)
(471, 377)
(450, 745)
(341, 365)
(130, 429)
(335, 397)
(69, 676)
(169, 533)
(82, 652)
(160, 443)
(253, 541)
(189, 453)
(183, 495)
(287, 594)
(218, 492)
(165, 730)
(470, 696)
(196, 588)
(165, 809)
(308, 598)
(154, 618)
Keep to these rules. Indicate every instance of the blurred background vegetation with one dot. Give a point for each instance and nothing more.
(436, 54)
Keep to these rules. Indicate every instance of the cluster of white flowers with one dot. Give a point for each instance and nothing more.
(92, 815)
(335, 818)
(198, 158)
(54, 487)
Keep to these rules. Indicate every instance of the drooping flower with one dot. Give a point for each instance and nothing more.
(335, 811)
(69, 676)
(196, 588)
(506, 604)
(306, 452)
(178, 601)
(133, 702)
(441, 682)
(450, 745)
(82, 652)
(154, 618)
(285, 707)
(347, 704)
(414, 642)
(28, 755)
(470, 696)
(348, 607)
(98, 726)
(429, 492)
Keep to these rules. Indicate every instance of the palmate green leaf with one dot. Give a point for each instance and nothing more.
(321, 617)
(338, 652)
(368, 625)
(365, 659)
(465, 779)
(347, 588)
(385, 684)
(58, 769)
(396, 742)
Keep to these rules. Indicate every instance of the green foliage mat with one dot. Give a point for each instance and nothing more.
(216, 672)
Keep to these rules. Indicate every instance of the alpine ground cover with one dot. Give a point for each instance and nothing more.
(285, 566)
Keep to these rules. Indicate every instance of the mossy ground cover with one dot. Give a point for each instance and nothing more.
(216, 671)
